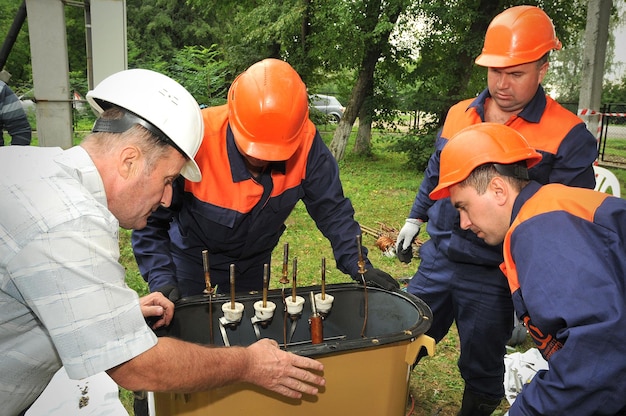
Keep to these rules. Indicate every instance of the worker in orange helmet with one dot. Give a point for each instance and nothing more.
(260, 155)
(64, 303)
(458, 275)
(564, 259)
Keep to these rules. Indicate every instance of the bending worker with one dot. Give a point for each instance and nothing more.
(564, 259)
(260, 155)
(458, 275)
(63, 299)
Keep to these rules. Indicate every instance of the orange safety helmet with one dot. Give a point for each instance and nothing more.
(478, 145)
(518, 35)
(268, 110)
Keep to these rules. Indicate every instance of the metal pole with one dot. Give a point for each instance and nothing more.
(596, 37)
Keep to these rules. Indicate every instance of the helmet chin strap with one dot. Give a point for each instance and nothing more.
(120, 125)
(515, 170)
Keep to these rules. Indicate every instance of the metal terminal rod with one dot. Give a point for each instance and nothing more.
(208, 290)
(362, 271)
(285, 277)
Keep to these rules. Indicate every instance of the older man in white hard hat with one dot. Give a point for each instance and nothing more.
(63, 300)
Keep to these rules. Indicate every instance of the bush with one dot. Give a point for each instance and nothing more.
(417, 145)
(318, 117)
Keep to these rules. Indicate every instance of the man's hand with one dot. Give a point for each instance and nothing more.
(383, 280)
(157, 308)
(409, 231)
(282, 372)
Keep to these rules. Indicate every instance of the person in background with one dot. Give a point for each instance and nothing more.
(13, 118)
(458, 275)
(260, 155)
(63, 299)
(564, 258)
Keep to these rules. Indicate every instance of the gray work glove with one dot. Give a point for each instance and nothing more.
(410, 230)
(378, 278)
(169, 291)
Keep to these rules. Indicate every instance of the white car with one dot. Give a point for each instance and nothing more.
(327, 104)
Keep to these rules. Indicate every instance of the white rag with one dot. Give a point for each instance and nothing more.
(520, 368)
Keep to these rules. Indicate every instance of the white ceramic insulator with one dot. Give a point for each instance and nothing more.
(232, 315)
(264, 313)
(294, 308)
(323, 305)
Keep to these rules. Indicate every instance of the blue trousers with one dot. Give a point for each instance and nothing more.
(478, 298)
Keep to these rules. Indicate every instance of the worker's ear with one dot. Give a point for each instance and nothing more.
(543, 70)
(129, 161)
(500, 189)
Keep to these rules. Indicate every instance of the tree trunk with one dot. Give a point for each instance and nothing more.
(344, 128)
(463, 71)
(305, 28)
(340, 139)
(363, 143)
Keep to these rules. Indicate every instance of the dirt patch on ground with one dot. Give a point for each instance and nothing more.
(613, 161)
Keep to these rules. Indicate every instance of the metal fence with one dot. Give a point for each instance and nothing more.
(612, 134)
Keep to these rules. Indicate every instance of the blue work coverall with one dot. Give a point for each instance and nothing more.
(458, 276)
(565, 259)
(240, 219)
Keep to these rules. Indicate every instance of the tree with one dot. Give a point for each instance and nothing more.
(615, 92)
(18, 60)
(344, 47)
(247, 32)
(363, 143)
(564, 77)
(200, 71)
(158, 29)
(374, 21)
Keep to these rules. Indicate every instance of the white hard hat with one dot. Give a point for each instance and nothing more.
(162, 103)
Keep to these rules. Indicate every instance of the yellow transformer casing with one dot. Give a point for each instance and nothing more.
(371, 340)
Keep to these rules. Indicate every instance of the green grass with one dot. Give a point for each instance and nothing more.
(381, 192)
(616, 148)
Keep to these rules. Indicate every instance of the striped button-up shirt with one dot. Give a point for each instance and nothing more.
(63, 299)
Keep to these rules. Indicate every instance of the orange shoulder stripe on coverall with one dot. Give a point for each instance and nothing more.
(537, 205)
(217, 186)
(556, 122)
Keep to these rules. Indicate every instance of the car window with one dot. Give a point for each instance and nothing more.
(319, 101)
